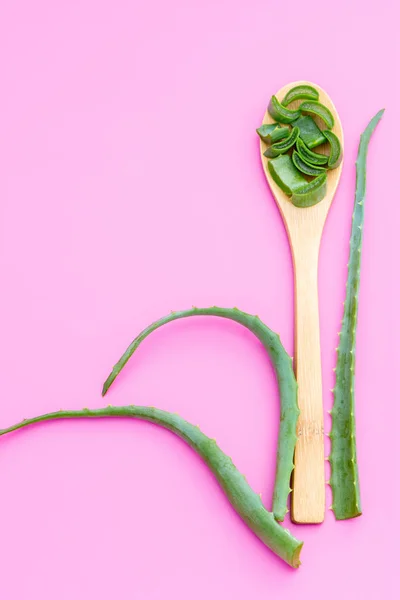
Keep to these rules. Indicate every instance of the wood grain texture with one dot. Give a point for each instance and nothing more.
(304, 227)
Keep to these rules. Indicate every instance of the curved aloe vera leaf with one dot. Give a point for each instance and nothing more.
(344, 479)
(305, 92)
(244, 500)
(312, 193)
(318, 109)
(280, 113)
(335, 155)
(314, 158)
(286, 381)
(305, 167)
(284, 146)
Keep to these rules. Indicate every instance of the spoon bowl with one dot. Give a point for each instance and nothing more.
(304, 227)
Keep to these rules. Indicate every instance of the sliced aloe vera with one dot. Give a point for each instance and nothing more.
(300, 92)
(280, 113)
(273, 132)
(284, 146)
(318, 109)
(312, 193)
(265, 130)
(335, 156)
(310, 133)
(306, 168)
(280, 133)
(285, 174)
(309, 156)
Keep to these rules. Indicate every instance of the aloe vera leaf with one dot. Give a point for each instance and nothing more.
(344, 478)
(271, 133)
(315, 158)
(284, 145)
(312, 193)
(243, 499)
(335, 155)
(286, 381)
(309, 132)
(305, 167)
(265, 130)
(280, 113)
(320, 110)
(285, 174)
(280, 133)
(300, 92)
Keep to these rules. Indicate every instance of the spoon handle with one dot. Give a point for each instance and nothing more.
(308, 499)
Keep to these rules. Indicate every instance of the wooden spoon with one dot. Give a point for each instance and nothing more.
(304, 227)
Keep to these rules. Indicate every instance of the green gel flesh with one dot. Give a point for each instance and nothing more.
(318, 109)
(280, 133)
(310, 133)
(306, 168)
(273, 132)
(309, 156)
(280, 113)
(300, 92)
(265, 130)
(335, 156)
(312, 193)
(284, 146)
(285, 174)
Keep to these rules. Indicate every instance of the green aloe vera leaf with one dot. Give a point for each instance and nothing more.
(278, 134)
(335, 156)
(344, 478)
(318, 109)
(271, 133)
(314, 158)
(280, 113)
(265, 130)
(306, 168)
(312, 193)
(286, 381)
(310, 133)
(242, 498)
(300, 92)
(285, 174)
(283, 146)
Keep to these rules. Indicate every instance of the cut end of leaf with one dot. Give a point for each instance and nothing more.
(296, 562)
(348, 515)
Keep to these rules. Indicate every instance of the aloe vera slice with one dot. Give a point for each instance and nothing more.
(265, 130)
(310, 133)
(304, 167)
(273, 132)
(280, 133)
(314, 158)
(335, 156)
(284, 146)
(285, 174)
(312, 193)
(300, 92)
(316, 108)
(280, 113)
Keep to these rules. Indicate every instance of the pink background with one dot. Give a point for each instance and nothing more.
(130, 185)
